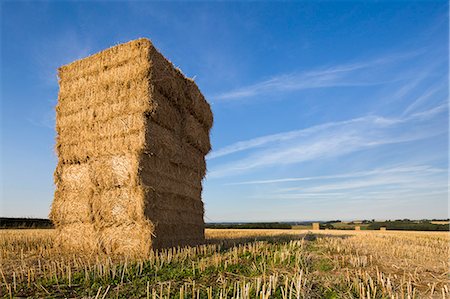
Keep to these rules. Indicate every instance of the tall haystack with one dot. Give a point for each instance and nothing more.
(132, 135)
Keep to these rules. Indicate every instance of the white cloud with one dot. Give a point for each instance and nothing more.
(329, 140)
(354, 74)
(264, 140)
(424, 97)
(357, 174)
(390, 183)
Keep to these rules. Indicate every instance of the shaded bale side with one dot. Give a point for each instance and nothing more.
(167, 210)
(163, 144)
(152, 166)
(198, 105)
(171, 83)
(183, 217)
(163, 200)
(171, 186)
(166, 114)
(196, 135)
(170, 234)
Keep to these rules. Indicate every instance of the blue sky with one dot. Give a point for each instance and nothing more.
(323, 110)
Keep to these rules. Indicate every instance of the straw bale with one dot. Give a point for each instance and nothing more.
(95, 64)
(74, 153)
(169, 185)
(118, 205)
(156, 199)
(132, 170)
(72, 176)
(166, 114)
(113, 171)
(198, 105)
(71, 206)
(171, 234)
(196, 135)
(178, 220)
(115, 100)
(136, 69)
(132, 239)
(172, 83)
(77, 237)
(132, 135)
(161, 143)
(118, 126)
(152, 166)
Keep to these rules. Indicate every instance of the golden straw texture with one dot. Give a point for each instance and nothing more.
(132, 135)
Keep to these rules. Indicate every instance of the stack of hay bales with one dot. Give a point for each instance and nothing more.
(316, 226)
(132, 135)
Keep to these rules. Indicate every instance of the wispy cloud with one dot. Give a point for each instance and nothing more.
(329, 140)
(378, 184)
(356, 174)
(264, 140)
(353, 74)
(425, 96)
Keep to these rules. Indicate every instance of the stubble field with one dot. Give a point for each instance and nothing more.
(236, 264)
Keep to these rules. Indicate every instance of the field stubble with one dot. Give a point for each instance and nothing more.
(236, 264)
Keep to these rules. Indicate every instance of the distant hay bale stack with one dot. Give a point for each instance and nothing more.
(357, 227)
(132, 135)
(316, 226)
(383, 228)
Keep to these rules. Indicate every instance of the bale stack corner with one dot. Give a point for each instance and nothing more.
(132, 135)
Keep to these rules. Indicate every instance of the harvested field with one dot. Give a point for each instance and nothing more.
(236, 264)
(133, 133)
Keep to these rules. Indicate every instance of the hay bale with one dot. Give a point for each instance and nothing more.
(316, 226)
(133, 133)
(77, 237)
(383, 228)
(357, 227)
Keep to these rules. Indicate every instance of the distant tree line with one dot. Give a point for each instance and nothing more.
(258, 225)
(423, 225)
(25, 223)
